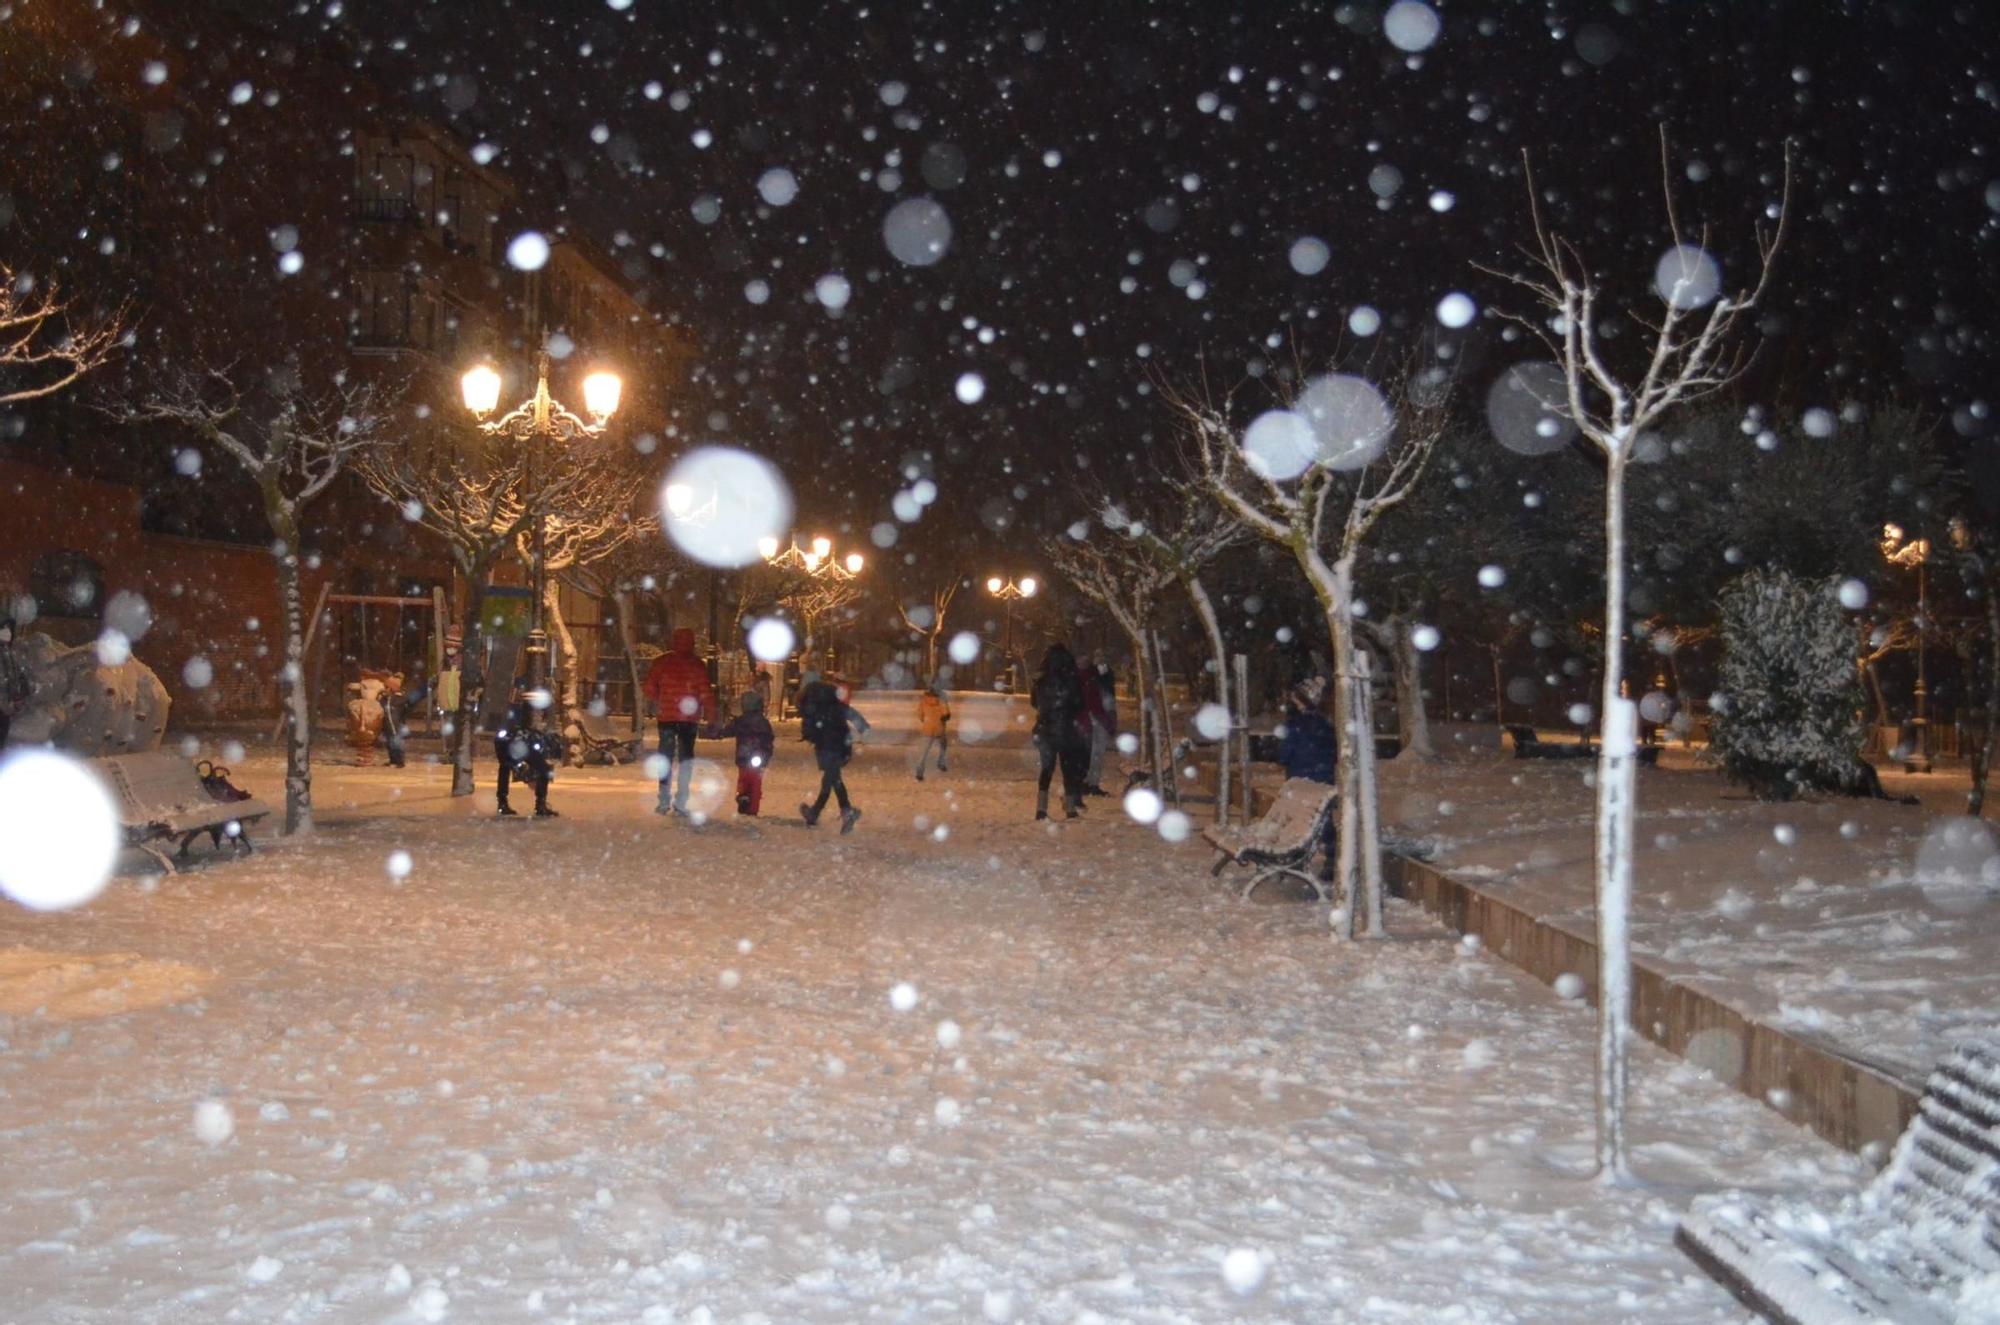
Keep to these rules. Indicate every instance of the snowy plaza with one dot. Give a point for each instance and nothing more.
(733, 662)
(614, 1069)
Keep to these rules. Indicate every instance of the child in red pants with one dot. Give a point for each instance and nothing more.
(755, 744)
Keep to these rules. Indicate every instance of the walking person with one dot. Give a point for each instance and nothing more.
(825, 722)
(682, 698)
(1100, 701)
(525, 752)
(1059, 730)
(15, 685)
(933, 720)
(392, 718)
(756, 743)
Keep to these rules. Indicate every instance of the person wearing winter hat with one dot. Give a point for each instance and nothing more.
(678, 686)
(756, 743)
(933, 717)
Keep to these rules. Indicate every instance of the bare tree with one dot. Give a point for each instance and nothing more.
(1181, 547)
(1692, 350)
(41, 344)
(477, 495)
(820, 597)
(1323, 517)
(292, 444)
(602, 513)
(927, 621)
(1121, 577)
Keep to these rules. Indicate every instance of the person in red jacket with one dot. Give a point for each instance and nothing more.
(682, 700)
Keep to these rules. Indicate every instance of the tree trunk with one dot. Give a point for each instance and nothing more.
(1336, 589)
(622, 598)
(471, 678)
(1413, 724)
(1615, 812)
(1143, 731)
(1874, 677)
(1370, 816)
(1982, 754)
(298, 711)
(566, 698)
(1204, 607)
(1499, 691)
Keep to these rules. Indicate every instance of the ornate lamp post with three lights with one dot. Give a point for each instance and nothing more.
(538, 421)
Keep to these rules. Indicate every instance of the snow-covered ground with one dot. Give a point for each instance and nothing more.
(1866, 925)
(615, 1068)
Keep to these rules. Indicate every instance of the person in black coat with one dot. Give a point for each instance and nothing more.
(824, 722)
(755, 744)
(1060, 733)
(525, 751)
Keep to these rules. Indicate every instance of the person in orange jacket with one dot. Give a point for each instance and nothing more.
(682, 699)
(933, 720)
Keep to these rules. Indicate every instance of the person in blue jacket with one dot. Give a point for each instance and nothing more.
(1309, 749)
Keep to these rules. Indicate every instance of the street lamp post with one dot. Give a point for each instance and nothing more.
(540, 419)
(1010, 592)
(816, 561)
(1916, 552)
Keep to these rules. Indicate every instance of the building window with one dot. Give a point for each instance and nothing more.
(389, 192)
(66, 584)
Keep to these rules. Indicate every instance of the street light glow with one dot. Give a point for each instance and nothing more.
(481, 385)
(767, 548)
(680, 500)
(993, 584)
(1027, 586)
(854, 563)
(822, 547)
(600, 394)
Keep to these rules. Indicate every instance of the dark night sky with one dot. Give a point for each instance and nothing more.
(1241, 128)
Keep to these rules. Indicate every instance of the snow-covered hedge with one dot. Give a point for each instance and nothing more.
(1788, 715)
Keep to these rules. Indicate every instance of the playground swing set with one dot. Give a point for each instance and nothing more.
(362, 694)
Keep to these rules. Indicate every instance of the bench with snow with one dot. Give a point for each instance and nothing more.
(1283, 841)
(1902, 1251)
(605, 738)
(1529, 745)
(161, 797)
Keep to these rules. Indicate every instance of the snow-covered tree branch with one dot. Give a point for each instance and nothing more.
(43, 348)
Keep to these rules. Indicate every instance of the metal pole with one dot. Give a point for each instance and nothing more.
(1923, 746)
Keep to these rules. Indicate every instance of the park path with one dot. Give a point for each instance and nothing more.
(613, 1068)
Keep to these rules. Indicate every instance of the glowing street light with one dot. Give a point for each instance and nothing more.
(1915, 552)
(540, 418)
(1010, 592)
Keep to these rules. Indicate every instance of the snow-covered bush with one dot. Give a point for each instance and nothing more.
(1789, 712)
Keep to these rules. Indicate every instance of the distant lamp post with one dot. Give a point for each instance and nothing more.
(816, 560)
(1010, 592)
(1915, 552)
(539, 419)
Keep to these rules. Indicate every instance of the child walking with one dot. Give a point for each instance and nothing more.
(824, 722)
(933, 717)
(755, 744)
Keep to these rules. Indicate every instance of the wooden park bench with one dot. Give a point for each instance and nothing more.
(161, 797)
(605, 739)
(1899, 1251)
(1528, 744)
(1283, 841)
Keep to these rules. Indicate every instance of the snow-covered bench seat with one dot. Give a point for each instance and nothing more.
(1528, 744)
(160, 798)
(606, 739)
(1282, 842)
(1907, 1250)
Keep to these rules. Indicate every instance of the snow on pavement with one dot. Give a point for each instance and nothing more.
(614, 1068)
(1865, 925)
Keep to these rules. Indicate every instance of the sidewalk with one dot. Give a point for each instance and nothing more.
(1865, 927)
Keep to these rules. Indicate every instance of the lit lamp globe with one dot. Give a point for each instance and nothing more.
(993, 584)
(767, 547)
(1027, 586)
(481, 385)
(822, 547)
(854, 563)
(600, 394)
